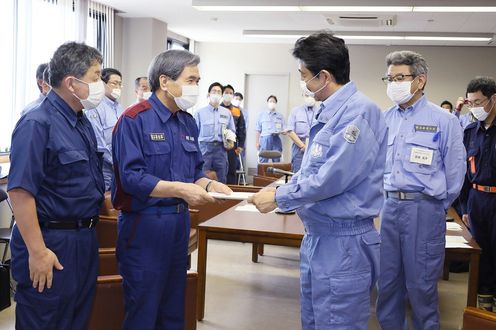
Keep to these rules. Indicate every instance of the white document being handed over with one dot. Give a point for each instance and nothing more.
(239, 196)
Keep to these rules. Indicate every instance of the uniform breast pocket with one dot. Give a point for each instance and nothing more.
(266, 126)
(191, 154)
(73, 164)
(207, 129)
(422, 153)
(157, 156)
(301, 127)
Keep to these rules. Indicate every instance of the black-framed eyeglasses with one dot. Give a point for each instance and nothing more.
(477, 103)
(398, 78)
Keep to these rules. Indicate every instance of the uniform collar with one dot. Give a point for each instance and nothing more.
(162, 111)
(64, 108)
(482, 127)
(109, 102)
(416, 107)
(211, 107)
(334, 102)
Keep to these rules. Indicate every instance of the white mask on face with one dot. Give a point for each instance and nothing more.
(309, 101)
(96, 92)
(399, 91)
(188, 98)
(228, 97)
(271, 105)
(116, 93)
(215, 98)
(146, 95)
(479, 113)
(236, 102)
(306, 91)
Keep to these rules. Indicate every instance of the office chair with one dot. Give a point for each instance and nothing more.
(5, 233)
(241, 174)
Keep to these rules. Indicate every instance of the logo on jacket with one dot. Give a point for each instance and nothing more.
(316, 150)
(351, 133)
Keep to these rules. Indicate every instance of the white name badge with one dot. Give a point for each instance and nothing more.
(421, 156)
(278, 126)
(307, 140)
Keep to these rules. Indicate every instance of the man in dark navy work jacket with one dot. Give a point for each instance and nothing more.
(478, 196)
(158, 173)
(56, 188)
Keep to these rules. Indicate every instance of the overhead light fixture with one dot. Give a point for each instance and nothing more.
(412, 36)
(357, 9)
(248, 8)
(439, 9)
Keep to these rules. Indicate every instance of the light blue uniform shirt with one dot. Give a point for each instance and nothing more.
(466, 119)
(270, 122)
(432, 131)
(103, 119)
(342, 170)
(301, 120)
(210, 121)
(33, 105)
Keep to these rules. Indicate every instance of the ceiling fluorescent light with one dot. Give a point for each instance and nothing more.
(433, 38)
(247, 8)
(447, 9)
(359, 37)
(357, 9)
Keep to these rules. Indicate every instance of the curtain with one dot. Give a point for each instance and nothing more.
(100, 31)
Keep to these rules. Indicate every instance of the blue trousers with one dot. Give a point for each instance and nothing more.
(67, 305)
(152, 250)
(412, 255)
(215, 159)
(296, 158)
(338, 269)
(481, 208)
(270, 142)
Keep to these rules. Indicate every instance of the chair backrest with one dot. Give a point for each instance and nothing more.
(477, 319)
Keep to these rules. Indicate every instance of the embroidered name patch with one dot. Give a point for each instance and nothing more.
(157, 136)
(425, 128)
(190, 138)
(316, 151)
(351, 133)
(223, 116)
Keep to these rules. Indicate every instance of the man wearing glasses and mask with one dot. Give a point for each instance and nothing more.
(478, 196)
(423, 175)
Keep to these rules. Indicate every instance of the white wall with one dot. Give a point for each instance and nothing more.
(451, 68)
(138, 41)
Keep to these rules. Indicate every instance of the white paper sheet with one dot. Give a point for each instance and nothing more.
(454, 245)
(240, 196)
(453, 226)
(455, 239)
(248, 208)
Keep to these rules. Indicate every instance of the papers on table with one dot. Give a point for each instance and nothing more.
(281, 181)
(453, 226)
(456, 242)
(4, 170)
(239, 196)
(248, 208)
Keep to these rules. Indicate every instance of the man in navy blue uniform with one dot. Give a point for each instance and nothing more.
(158, 173)
(337, 192)
(478, 196)
(56, 187)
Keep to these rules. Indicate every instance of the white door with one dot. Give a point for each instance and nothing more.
(258, 87)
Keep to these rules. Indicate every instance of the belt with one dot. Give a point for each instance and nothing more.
(487, 189)
(406, 195)
(166, 209)
(70, 224)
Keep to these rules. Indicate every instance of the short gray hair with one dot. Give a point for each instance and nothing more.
(170, 63)
(417, 63)
(72, 58)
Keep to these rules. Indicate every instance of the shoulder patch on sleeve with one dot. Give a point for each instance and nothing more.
(351, 133)
(134, 110)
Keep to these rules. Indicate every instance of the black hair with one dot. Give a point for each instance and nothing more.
(72, 58)
(486, 85)
(238, 94)
(272, 97)
(323, 51)
(216, 84)
(39, 74)
(228, 86)
(448, 103)
(107, 72)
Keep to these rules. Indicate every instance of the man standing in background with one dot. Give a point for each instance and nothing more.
(104, 117)
(423, 176)
(239, 122)
(43, 86)
(141, 89)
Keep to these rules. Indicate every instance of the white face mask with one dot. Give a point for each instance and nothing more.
(236, 102)
(188, 98)
(306, 91)
(215, 98)
(309, 101)
(399, 91)
(96, 92)
(228, 97)
(146, 95)
(116, 93)
(271, 105)
(479, 113)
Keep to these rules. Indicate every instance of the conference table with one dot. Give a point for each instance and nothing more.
(240, 224)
